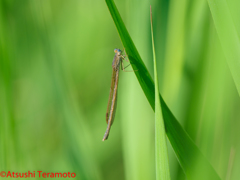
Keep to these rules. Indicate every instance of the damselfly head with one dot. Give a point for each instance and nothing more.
(118, 51)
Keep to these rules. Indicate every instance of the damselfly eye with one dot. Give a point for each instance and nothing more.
(117, 50)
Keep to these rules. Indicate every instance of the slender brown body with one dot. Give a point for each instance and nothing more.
(112, 101)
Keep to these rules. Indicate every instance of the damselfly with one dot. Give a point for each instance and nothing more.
(112, 101)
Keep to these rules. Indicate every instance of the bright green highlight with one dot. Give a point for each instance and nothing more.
(229, 38)
(161, 152)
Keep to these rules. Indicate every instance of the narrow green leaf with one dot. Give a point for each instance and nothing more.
(185, 149)
(161, 152)
(228, 37)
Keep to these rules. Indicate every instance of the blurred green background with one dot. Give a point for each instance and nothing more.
(55, 75)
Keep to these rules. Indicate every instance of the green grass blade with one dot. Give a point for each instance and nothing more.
(161, 152)
(228, 37)
(185, 149)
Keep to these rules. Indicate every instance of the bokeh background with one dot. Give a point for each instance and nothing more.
(55, 75)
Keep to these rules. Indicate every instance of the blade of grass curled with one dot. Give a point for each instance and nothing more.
(161, 152)
(228, 37)
(185, 149)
